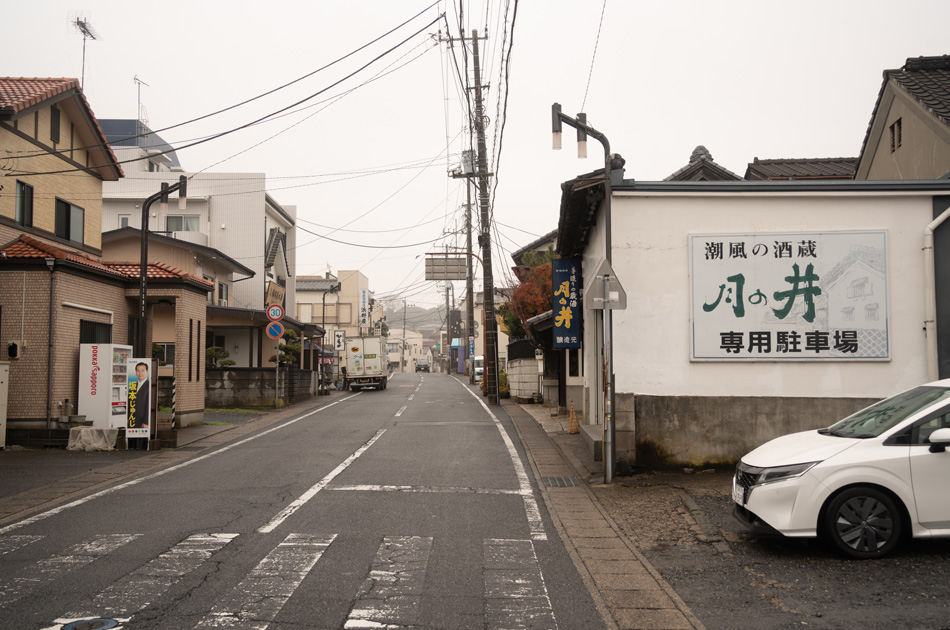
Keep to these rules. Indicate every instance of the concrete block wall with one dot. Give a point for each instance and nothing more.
(715, 430)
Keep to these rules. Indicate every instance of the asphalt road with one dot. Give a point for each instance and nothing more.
(683, 525)
(406, 507)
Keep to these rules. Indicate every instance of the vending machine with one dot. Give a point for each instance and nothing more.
(104, 383)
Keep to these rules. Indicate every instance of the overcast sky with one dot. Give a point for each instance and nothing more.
(365, 161)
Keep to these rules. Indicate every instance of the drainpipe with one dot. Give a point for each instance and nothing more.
(930, 298)
(50, 262)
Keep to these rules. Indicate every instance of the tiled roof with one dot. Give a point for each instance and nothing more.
(808, 168)
(702, 167)
(310, 283)
(29, 247)
(20, 93)
(927, 79)
(155, 270)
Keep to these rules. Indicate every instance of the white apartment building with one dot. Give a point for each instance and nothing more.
(228, 212)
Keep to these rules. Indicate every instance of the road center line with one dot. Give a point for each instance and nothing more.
(532, 511)
(399, 413)
(433, 489)
(320, 485)
(62, 508)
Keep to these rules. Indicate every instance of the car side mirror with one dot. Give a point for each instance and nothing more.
(939, 440)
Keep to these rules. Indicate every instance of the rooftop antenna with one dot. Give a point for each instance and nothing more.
(141, 115)
(79, 21)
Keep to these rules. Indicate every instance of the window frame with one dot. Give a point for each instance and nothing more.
(65, 228)
(24, 214)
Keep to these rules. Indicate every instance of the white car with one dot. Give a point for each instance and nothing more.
(864, 482)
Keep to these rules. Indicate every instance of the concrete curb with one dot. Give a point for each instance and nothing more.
(628, 590)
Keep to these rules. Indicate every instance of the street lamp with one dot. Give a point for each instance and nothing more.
(323, 323)
(162, 195)
(583, 130)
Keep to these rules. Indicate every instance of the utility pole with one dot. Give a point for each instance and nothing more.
(448, 332)
(484, 239)
(402, 346)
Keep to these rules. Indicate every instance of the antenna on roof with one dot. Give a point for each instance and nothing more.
(79, 21)
(141, 116)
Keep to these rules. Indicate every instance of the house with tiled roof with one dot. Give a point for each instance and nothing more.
(908, 136)
(56, 290)
(801, 168)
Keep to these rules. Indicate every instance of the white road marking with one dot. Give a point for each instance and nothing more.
(532, 511)
(128, 484)
(391, 596)
(320, 485)
(12, 543)
(136, 591)
(434, 489)
(255, 602)
(399, 413)
(515, 593)
(54, 567)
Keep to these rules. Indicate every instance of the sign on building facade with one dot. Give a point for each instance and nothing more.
(565, 304)
(797, 296)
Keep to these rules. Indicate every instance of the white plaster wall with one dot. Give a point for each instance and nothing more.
(650, 256)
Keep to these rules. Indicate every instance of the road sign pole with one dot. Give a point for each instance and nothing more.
(277, 376)
(610, 452)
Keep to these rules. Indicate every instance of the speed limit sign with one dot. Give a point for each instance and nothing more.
(275, 312)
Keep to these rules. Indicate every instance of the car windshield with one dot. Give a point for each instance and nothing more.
(878, 418)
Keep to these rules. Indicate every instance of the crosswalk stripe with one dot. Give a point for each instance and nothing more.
(255, 602)
(136, 591)
(515, 593)
(12, 543)
(49, 569)
(392, 593)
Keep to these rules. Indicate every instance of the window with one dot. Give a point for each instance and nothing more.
(54, 124)
(94, 332)
(164, 352)
(24, 204)
(211, 292)
(124, 220)
(70, 221)
(896, 135)
(222, 291)
(181, 223)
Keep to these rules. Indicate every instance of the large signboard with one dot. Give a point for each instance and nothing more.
(802, 296)
(565, 304)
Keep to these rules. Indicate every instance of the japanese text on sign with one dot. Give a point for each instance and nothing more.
(565, 304)
(798, 296)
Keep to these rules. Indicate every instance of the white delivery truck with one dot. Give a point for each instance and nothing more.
(366, 362)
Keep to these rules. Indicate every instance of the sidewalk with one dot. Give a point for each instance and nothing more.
(628, 590)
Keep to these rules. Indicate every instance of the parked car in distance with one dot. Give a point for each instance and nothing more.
(478, 364)
(864, 483)
(422, 365)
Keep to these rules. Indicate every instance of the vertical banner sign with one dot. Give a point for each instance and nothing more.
(364, 309)
(339, 340)
(798, 296)
(139, 414)
(565, 305)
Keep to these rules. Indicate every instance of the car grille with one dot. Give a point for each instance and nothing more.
(745, 478)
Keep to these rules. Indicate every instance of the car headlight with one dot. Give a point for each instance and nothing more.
(754, 476)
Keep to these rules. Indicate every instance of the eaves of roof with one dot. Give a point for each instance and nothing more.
(20, 95)
(926, 80)
(130, 232)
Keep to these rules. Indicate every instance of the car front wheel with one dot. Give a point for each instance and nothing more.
(863, 523)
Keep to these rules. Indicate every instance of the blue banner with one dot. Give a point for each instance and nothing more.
(565, 305)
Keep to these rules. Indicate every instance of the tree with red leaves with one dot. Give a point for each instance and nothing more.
(532, 296)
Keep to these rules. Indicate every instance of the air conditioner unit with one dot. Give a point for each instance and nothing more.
(222, 302)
